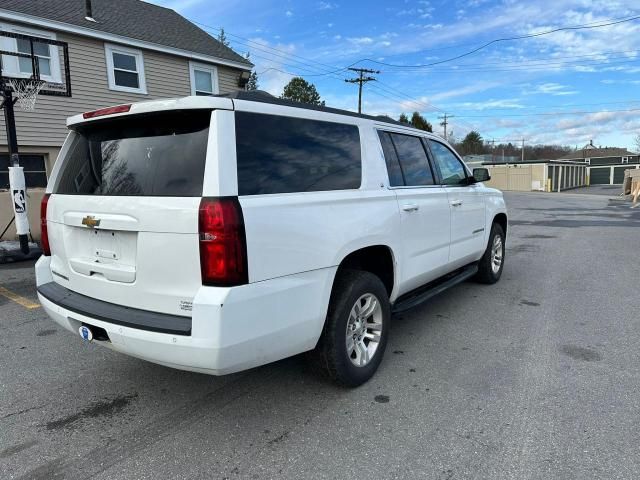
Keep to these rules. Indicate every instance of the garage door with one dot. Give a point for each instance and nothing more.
(618, 174)
(519, 178)
(599, 176)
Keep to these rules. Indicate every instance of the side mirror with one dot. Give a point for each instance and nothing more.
(481, 174)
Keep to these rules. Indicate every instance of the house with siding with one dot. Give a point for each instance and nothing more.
(165, 56)
(605, 166)
(120, 51)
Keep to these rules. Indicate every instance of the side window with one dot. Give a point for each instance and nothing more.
(413, 160)
(451, 168)
(391, 159)
(277, 154)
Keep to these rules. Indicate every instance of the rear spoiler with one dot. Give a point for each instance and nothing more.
(185, 103)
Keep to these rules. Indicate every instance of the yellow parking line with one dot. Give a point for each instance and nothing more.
(25, 302)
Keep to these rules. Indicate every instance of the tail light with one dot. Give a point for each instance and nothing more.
(44, 233)
(223, 246)
(106, 111)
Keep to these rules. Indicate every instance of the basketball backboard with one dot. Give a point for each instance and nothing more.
(28, 57)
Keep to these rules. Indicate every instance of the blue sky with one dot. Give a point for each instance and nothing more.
(529, 88)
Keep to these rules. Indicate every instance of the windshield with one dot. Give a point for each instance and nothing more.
(159, 154)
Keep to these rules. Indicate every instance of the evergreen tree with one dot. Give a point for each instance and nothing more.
(299, 90)
(418, 121)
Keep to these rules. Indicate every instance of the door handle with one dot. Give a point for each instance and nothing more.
(410, 207)
(456, 203)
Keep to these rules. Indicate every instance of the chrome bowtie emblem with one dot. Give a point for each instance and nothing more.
(90, 221)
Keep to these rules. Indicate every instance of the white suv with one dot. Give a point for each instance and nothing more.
(215, 234)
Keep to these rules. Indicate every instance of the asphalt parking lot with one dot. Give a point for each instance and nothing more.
(536, 377)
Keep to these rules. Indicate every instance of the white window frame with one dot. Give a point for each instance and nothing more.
(587, 161)
(109, 50)
(203, 67)
(625, 159)
(10, 63)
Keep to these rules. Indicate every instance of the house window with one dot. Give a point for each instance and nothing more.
(625, 159)
(204, 79)
(587, 161)
(48, 55)
(35, 175)
(125, 69)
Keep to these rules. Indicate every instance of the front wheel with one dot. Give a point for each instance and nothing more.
(492, 262)
(356, 329)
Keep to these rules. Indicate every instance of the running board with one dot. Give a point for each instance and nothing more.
(432, 289)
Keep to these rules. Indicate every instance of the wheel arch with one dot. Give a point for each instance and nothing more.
(376, 259)
(501, 219)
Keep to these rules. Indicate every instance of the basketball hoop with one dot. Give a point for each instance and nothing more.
(26, 92)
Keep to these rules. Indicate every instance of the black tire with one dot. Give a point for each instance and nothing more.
(330, 357)
(486, 274)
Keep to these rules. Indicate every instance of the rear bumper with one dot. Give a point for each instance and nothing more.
(112, 313)
(232, 329)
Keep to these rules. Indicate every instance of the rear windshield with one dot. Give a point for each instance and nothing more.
(159, 154)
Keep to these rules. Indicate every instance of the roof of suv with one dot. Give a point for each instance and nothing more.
(264, 97)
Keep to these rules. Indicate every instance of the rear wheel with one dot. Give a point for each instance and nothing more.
(492, 262)
(355, 333)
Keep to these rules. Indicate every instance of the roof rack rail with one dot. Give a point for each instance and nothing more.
(266, 97)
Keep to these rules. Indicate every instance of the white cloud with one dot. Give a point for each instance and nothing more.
(490, 104)
(360, 40)
(326, 6)
(289, 13)
(474, 87)
(550, 88)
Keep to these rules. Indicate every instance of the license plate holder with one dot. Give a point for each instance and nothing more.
(106, 245)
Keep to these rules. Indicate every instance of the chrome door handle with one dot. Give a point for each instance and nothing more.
(456, 203)
(410, 207)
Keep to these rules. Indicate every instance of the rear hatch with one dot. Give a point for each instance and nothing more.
(123, 211)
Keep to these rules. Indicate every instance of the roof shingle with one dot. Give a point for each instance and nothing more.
(598, 152)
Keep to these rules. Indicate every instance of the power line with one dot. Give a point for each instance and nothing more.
(586, 26)
(575, 112)
(267, 49)
(608, 55)
(529, 65)
(552, 106)
(330, 70)
(429, 106)
(534, 68)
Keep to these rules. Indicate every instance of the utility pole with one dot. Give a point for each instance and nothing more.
(360, 81)
(444, 123)
(493, 150)
(523, 149)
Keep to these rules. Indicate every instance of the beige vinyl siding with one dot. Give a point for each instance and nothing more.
(228, 79)
(166, 76)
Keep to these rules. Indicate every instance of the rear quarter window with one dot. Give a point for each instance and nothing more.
(277, 154)
(158, 154)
